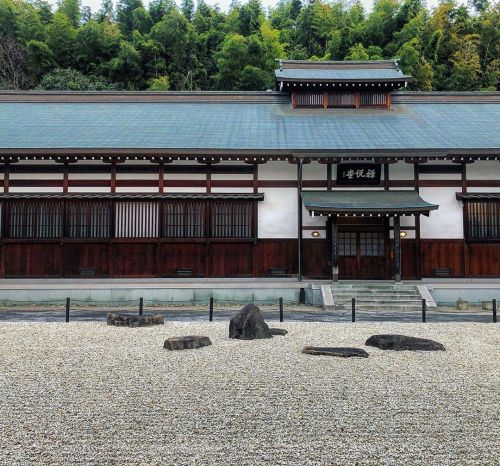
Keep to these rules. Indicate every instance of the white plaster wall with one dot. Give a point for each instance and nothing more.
(484, 190)
(169, 189)
(447, 221)
(400, 171)
(89, 176)
(314, 171)
(278, 213)
(137, 189)
(36, 176)
(232, 176)
(89, 189)
(232, 190)
(185, 176)
(484, 170)
(278, 171)
(137, 176)
(35, 189)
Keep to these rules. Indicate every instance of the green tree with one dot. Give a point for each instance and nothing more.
(231, 60)
(187, 9)
(161, 83)
(357, 52)
(466, 71)
(413, 63)
(72, 9)
(124, 16)
(61, 38)
(72, 80)
(253, 79)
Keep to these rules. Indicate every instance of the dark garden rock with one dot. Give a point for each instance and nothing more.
(249, 324)
(403, 343)
(339, 352)
(134, 320)
(187, 342)
(277, 331)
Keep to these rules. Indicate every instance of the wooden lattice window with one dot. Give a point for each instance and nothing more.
(482, 220)
(232, 219)
(184, 219)
(309, 99)
(373, 99)
(341, 99)
(88, 219)
(136, 219)
(34, 219)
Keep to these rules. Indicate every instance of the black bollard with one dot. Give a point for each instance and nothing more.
(353, 307)
(68, 304)
(494, 303)
(281, 309)
(141, 306)
(211, 310)
(424, 310)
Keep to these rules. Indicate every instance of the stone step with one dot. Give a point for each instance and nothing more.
(373, 290)
(382, 308)
(370, 294)
(380, 301)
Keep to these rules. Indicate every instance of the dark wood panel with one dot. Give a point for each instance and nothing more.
(316, 261)
(86, 259)
(484, 260)
(276, 254)
(134, 259)
(408, 258)
(231, 259)
(33, 260)
(438, 255)
(176, 259)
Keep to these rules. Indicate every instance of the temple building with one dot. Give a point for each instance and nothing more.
(339, 173)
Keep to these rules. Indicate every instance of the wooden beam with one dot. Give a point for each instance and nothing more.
(299, 220)
(397, 249)
(335, 251)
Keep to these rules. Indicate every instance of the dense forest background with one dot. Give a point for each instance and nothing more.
(163, 46)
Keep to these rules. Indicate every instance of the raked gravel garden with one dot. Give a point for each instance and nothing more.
(88, 393)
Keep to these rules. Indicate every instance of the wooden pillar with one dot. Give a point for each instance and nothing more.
(357, 99)
(113, 177)
(388, 100)
(418, 248)
(161, 177)
(325, 99)
(209, 179)
(397, 249)
(335, 249)
(329, 177)
(299, 220)
(6, 176)
(464, 216)
(386, 177)
(294, 100)
(65, 177)
(255, 214)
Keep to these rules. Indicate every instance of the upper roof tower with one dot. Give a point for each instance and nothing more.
(331, 84)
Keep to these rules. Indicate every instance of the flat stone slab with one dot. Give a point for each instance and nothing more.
(186, 342)
(277, 331)
(403, 343)
(338, 352)
(134, 320)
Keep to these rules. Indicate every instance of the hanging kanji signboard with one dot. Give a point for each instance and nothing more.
(358, 174)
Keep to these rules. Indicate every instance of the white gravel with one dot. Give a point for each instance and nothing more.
(86, 393)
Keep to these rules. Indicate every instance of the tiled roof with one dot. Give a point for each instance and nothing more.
(135, 196)
(366, 202)
(266, 125)
(341, 75)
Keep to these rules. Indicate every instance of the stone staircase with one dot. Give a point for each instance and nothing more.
(374, 297)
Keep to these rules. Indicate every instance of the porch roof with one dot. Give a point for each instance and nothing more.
(368, 202)
(135, 196)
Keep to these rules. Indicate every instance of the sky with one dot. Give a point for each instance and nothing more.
(224, 4)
